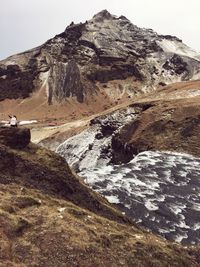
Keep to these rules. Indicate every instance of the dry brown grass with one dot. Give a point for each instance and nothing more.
(56, 232)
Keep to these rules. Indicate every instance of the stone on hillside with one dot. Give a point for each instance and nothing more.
(15, 137)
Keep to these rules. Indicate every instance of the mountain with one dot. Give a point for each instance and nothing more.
(50, 218)
(99, 63)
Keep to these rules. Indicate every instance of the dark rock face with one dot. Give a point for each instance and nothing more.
(176, 64)
(116, 72)
(101, 50)
(15, 137)
(170, 37)
(123, 151)
(18, 83)
(65, 81)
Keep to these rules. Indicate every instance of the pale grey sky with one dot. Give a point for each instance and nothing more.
(25, 24)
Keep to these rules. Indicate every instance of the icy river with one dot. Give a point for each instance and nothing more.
(158, 190)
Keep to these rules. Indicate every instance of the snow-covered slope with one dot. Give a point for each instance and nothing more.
(179, 48)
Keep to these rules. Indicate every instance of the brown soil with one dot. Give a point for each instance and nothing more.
(37, 107)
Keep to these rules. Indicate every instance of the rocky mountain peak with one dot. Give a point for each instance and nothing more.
(104, 14)
(104, 49)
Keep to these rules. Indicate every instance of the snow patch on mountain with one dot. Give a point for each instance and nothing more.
(179, 48)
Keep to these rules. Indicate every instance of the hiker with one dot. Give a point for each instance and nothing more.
(13, 121)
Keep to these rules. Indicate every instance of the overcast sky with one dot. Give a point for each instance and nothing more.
(25, 24)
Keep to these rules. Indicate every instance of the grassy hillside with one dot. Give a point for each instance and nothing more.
(48, 217)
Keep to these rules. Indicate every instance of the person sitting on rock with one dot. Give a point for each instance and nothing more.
(13, 121)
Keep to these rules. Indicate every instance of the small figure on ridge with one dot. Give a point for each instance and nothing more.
(13, 121)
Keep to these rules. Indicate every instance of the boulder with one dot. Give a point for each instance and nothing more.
(15, 137)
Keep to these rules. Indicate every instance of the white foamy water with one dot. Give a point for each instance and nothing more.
(160, 190)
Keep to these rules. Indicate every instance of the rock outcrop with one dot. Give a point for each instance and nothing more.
(15, 137)
(105, 54)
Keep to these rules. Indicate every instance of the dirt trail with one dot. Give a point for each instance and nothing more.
(39, 134)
